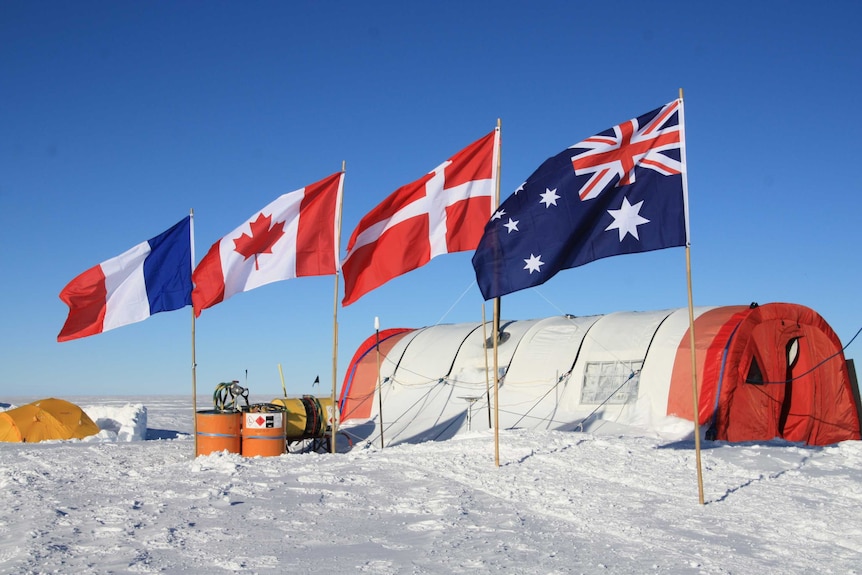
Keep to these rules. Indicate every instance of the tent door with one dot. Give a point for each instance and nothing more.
(791, 355)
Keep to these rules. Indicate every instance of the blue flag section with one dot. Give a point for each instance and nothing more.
(168, 269)
(619, 192)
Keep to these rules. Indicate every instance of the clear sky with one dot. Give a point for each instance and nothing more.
(117, 118)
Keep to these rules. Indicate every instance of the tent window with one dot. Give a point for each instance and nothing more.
(792, 352)
(755, 376)
(611, 382)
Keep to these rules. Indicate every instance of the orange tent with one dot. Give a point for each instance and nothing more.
(45, 419)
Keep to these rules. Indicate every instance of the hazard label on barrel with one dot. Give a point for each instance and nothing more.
(263, 420)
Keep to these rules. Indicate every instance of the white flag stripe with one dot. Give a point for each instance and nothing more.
(126, 291)
(241, 274)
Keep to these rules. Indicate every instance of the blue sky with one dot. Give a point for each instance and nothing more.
(117, 118)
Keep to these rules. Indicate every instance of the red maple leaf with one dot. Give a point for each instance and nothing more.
(262, 238)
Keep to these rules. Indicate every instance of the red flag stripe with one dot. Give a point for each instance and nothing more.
(86, 297)
(315, 236)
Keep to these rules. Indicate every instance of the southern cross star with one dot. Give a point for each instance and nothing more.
(549, 197)
(512, 225)
(534, 263)
(627, 219)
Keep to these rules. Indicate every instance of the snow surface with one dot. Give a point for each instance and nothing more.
(134, 499)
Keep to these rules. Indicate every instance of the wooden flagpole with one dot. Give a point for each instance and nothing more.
(485, 353)
(694, 392)
(496, 322)
(194, 359)
(335, 412)
(379, 385)
(496, 336)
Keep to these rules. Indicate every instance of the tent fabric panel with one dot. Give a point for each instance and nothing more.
(392, 359)
(74, 422)
(840, 421)
(547, 351)
(712, 329)
(514, 333)
(657, 372)
(538, 382)
(427, 412)
(749, 411)
(620, 337)
(9, 431)
(45, 427)
(428, 397)
(360, 380)
(471, 372)
(473, 363)
(430, 354)
(623, 335)
(508, 348)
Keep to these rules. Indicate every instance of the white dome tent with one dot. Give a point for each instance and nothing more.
(625, 371)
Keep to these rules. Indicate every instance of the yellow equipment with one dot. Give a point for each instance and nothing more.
(308, 417)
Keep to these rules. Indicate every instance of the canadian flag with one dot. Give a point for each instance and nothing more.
(294, 236)
(443, 212)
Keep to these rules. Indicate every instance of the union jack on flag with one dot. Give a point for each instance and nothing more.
(634, 178)
(641, 142)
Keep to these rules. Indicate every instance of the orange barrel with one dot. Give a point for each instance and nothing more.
(217, 431)
(263, 433)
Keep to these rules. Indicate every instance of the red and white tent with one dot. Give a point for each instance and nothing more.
(764, 372)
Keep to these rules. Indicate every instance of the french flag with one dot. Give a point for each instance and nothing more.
(153, 276)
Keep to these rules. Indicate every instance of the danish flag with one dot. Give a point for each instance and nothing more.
(443, 212)
(616, 152)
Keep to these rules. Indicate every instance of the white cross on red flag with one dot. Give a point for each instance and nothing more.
(443, 212)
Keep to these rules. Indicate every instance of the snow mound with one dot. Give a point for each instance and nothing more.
(123, 423)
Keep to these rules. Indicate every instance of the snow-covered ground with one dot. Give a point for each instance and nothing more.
(134, 499)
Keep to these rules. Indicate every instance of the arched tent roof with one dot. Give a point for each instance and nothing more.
(629, 368)
(45, 419)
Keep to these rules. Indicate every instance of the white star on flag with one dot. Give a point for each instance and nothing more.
(511, 225)
(627, 219)
(498, 214)
(534, 263)
(549, 197)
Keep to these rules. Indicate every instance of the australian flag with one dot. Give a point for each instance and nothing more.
(618, 192)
